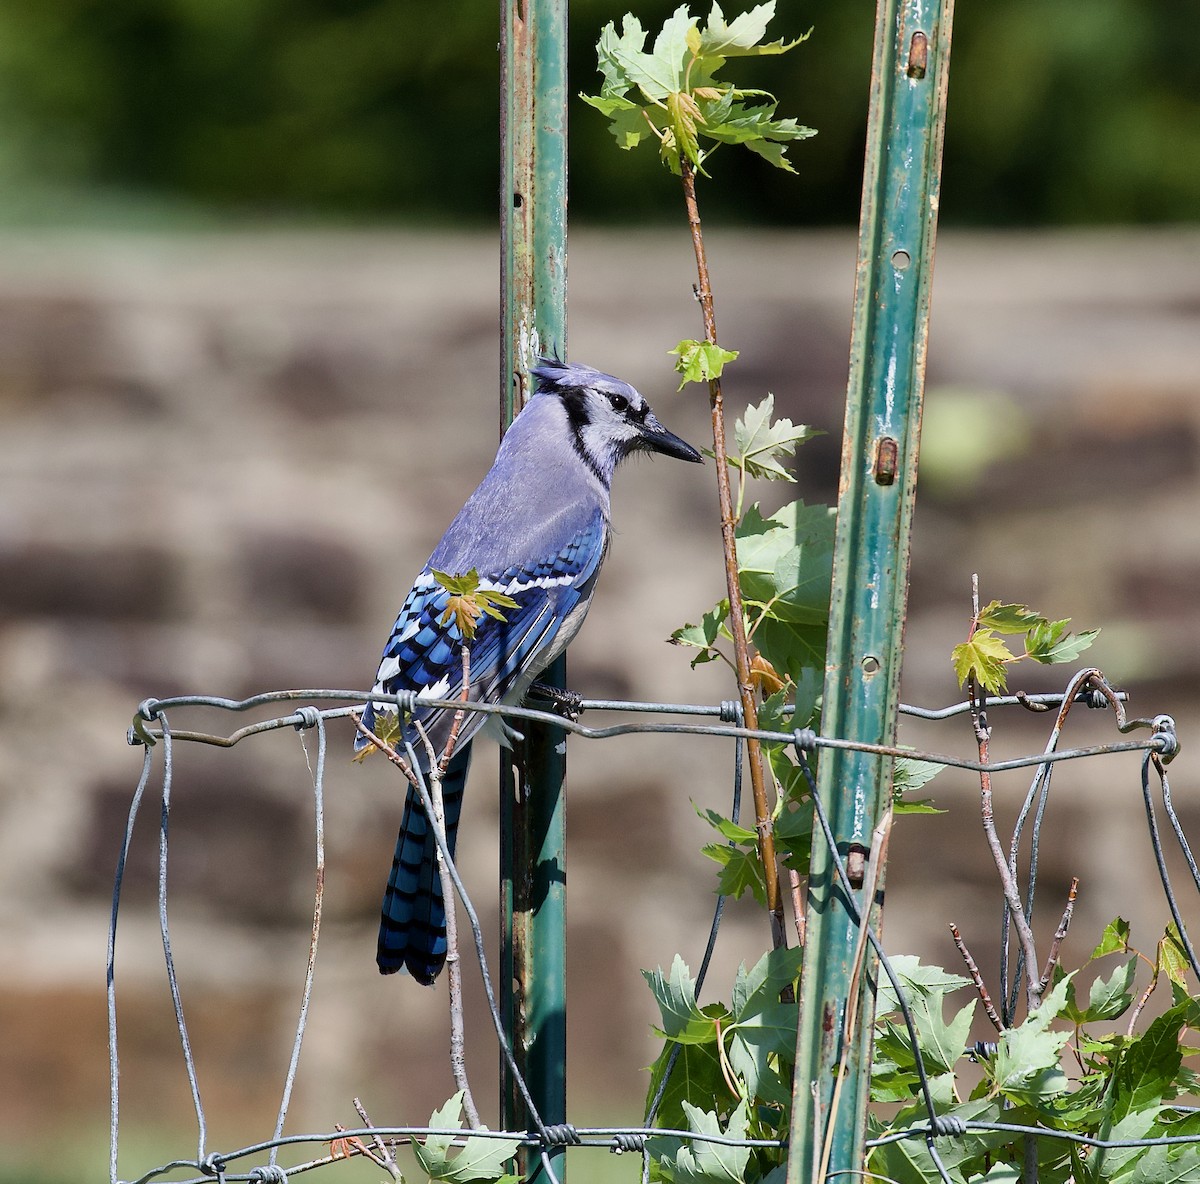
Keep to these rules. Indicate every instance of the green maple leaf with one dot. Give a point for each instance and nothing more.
(1114, 939)
(761, 443)
(743, 36)
(1009, 618)
(700, 361)
(740, 870)
(908, 775)
(698, 1162)
(786, 562)
(1049, 642)
(695, 1073)
(479, 1158)
(704, 636)
(982, 658)
(682, 1019)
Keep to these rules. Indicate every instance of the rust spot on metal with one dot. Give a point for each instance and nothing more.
(827, 1018)
(856, 865)
(918, 55)
(887, 460)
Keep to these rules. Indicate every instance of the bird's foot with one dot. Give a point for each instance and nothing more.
(568, 704)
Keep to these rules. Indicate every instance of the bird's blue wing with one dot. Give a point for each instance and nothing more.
(424, 652)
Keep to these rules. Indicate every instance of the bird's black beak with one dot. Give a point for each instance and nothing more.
(656, 438)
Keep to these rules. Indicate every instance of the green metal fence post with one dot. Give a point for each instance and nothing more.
(533, 216)
(879, 467)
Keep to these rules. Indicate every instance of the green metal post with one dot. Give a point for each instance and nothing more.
(870, 575)
(533, 194)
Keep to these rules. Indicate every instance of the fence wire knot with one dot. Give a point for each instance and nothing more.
(147, 712)
(270, 1174)
(731, 711)
(214, 1165)
(627, 1142)
(309, 718)
(947, 1126)
(805, 740)
(1167, 741)
(983, 1050)
(561, 1134)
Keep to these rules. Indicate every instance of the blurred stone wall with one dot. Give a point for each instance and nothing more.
(224, 457)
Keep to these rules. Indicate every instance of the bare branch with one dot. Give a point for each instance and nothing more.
(1059, 935)
(989, 1008)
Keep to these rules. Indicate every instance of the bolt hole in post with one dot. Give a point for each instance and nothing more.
(871, 664)
(901, 260)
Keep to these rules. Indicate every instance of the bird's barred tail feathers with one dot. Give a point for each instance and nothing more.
(412, 927)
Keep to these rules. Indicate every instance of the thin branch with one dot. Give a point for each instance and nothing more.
(989, 1008)
(1059, 935)
(797, 891)
(1012, 895)
(387, 750)
(1141, 1003)
(737, 622)
(383, 1156)
(459, 715)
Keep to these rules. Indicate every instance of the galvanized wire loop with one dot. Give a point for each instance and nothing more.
(805, 740)
(213, 1165)
(1166, 741)
(269, 1174)
(560, 1134)
(947, 1126)
(627, 1141)
(309, 717)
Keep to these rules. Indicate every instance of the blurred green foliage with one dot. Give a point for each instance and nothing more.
(1061, 111)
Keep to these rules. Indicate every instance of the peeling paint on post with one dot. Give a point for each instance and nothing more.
(533, 219)
(878, 482)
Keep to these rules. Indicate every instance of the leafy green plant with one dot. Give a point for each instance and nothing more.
(1064, 1069)
(985, 657)
(671, 94)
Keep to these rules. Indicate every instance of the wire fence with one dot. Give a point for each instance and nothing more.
(151, 728)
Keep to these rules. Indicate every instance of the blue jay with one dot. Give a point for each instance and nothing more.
(536, 530)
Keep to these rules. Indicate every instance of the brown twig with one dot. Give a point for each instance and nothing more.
(737, 621)
(1012, 895)
(456, 723)
(1145, 997)
(1059, 935)
(383, 1157)
(989, 1008)
(797, 891)
(387, 750)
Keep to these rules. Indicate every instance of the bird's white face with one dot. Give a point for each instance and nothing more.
(612, 424)
(610, 419)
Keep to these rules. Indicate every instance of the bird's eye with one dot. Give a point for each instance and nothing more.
(619, 403)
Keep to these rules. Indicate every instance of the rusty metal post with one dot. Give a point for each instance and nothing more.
(870, 576)
(533, 217)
